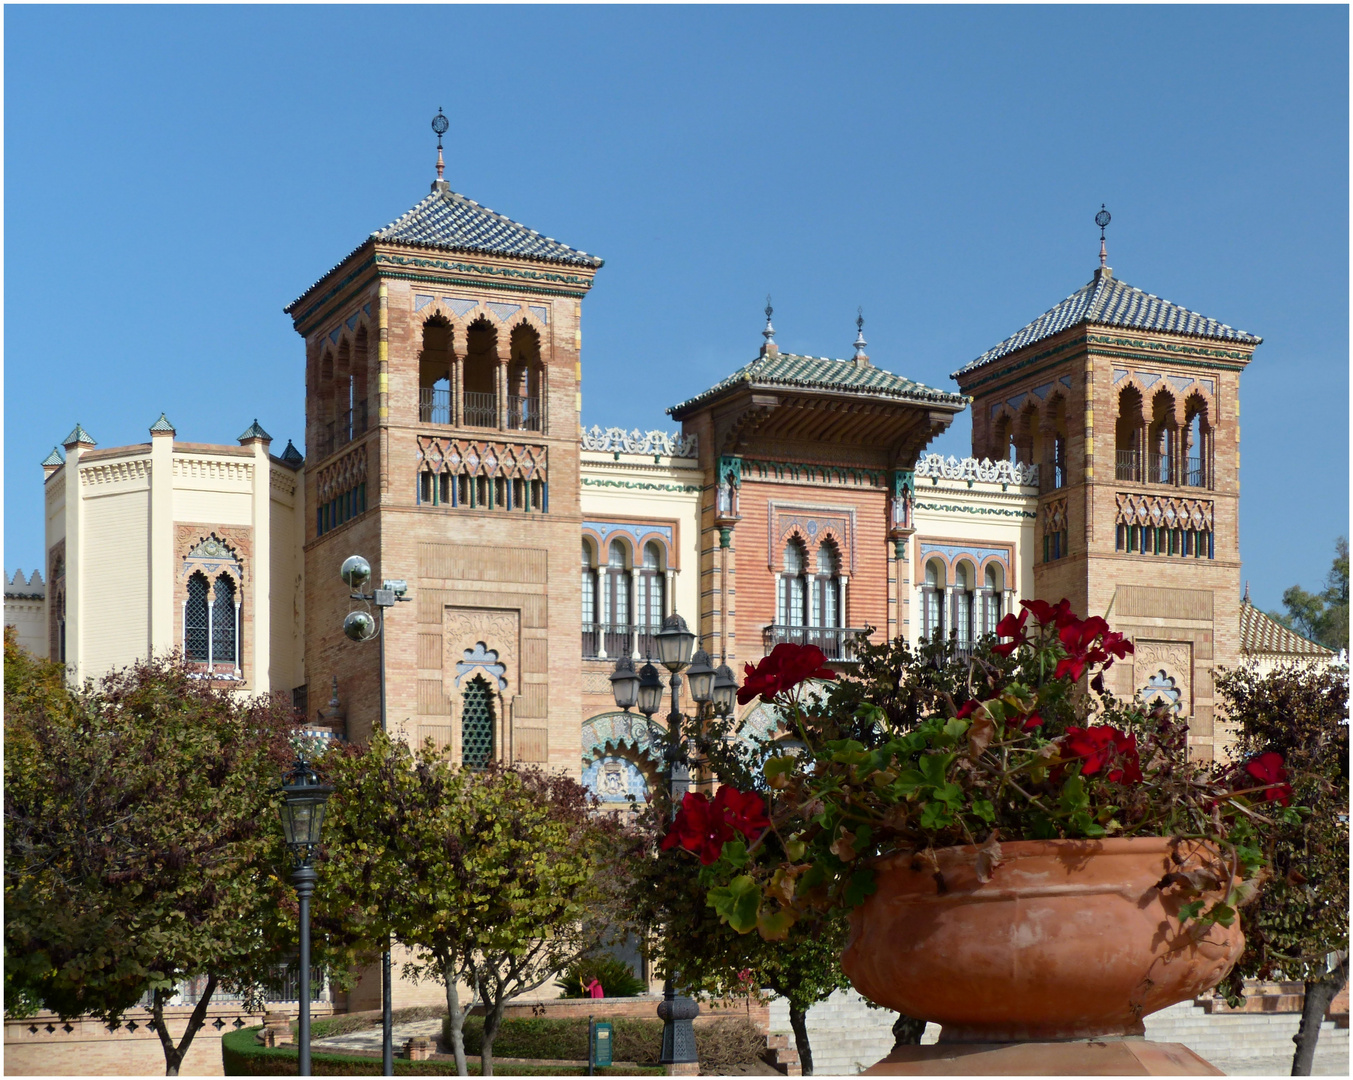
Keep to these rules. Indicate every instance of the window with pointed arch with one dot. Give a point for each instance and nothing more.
(589, 601)
(792, 604)
(993, 597)
(964, 596)
(932, 601)
(211, 622)
(649, 596)
(476, 723)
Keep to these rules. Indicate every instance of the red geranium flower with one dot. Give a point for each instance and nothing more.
(1059, 613)
(1268, 769)
(704, 826)
(1104, 747)
(785, 667)
(969, 707)
(1011, 627)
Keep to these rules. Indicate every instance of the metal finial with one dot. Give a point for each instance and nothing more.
(440, 124)
(1102, 219)
(860, 343)
(769, 332)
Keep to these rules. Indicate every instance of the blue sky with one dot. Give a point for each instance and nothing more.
(174, 176)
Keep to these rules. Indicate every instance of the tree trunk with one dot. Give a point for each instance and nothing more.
(493, 1021)
(456, 1018)
(174, 1055)
(798, 1020)
(907, 1031)
(1318, 997)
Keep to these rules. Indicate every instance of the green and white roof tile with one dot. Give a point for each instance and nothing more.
(823, 373)
(1105, 301)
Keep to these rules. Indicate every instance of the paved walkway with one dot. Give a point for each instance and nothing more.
(368, 1040)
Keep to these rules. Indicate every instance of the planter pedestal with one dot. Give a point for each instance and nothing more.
(1127, 1056)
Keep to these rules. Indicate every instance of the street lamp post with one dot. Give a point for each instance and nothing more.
(711, 686)
(302, 818)
(359, 625)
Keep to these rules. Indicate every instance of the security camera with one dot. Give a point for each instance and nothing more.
(356, 571)
(359, 625)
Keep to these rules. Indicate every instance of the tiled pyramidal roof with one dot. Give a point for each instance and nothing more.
(823, 373)
(451, 222)
(1105, 301)
(1261, 634)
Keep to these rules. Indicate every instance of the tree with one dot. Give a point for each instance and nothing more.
(1299, 921)
(140, 840)
(493, 878)
(1321, 617)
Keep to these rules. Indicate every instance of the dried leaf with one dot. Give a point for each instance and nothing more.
(843, 847)
(980, 734)
(988, 858)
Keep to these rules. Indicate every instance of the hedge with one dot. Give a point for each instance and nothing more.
(722, 1042)
(243, 1055)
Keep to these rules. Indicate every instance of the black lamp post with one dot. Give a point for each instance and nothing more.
(362, 626)
(709, 686)
(302, 819)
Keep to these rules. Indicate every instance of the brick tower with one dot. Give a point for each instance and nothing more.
(1130, 407)
(442, 395)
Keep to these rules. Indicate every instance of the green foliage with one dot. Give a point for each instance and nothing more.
(1301, 913)
(616, 977)
(495, 878)
(1321, 617)
(243, 1055)
(141, 844)
(724, 1041)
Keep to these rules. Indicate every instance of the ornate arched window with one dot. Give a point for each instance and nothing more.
(792, 606)
(615, 602)
(993, 595)
(964, 595)
(476, 723)
(197, 620)
(224, 623)
(824, 603)
(589, 599)
(649, 594)
(932, 601)
(1130, 435)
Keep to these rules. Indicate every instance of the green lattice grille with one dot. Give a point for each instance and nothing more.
(476, 724)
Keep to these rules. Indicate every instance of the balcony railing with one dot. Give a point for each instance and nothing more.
(1129, 466)
(523, 413)
(434, 406)
(1159, 469)
(481, 410)
(619, 639)
(350, 423)
(837, 642)
(1194, 473)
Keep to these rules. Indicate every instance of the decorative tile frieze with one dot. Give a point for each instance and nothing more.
(933, 466)
(1054, 516)
(474, 457)
(618, 440)
(342, 475)
(1163, 511)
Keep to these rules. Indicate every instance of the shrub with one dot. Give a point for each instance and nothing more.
(242, 1055)
(616, 977)
(718, 1043)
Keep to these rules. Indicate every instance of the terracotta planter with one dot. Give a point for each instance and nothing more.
(1069, 939)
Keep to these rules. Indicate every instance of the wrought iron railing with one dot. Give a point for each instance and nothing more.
(1194, 473)
(481, 410)
(1129, 466)
(523, 413)
(619, 639)
(837, 642)
(1159, 469)
(434, 406)
(285, 985)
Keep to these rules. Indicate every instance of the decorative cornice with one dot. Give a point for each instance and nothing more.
(640, 485)
(578, 281)
(801, 472)
(934, 466)
(992, 510)
(618, 440)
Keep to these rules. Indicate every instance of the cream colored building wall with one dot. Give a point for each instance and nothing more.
(618, 486)
(988, 515)
(28, 616)
(286, 608)
(137, 508)
(115, 565)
